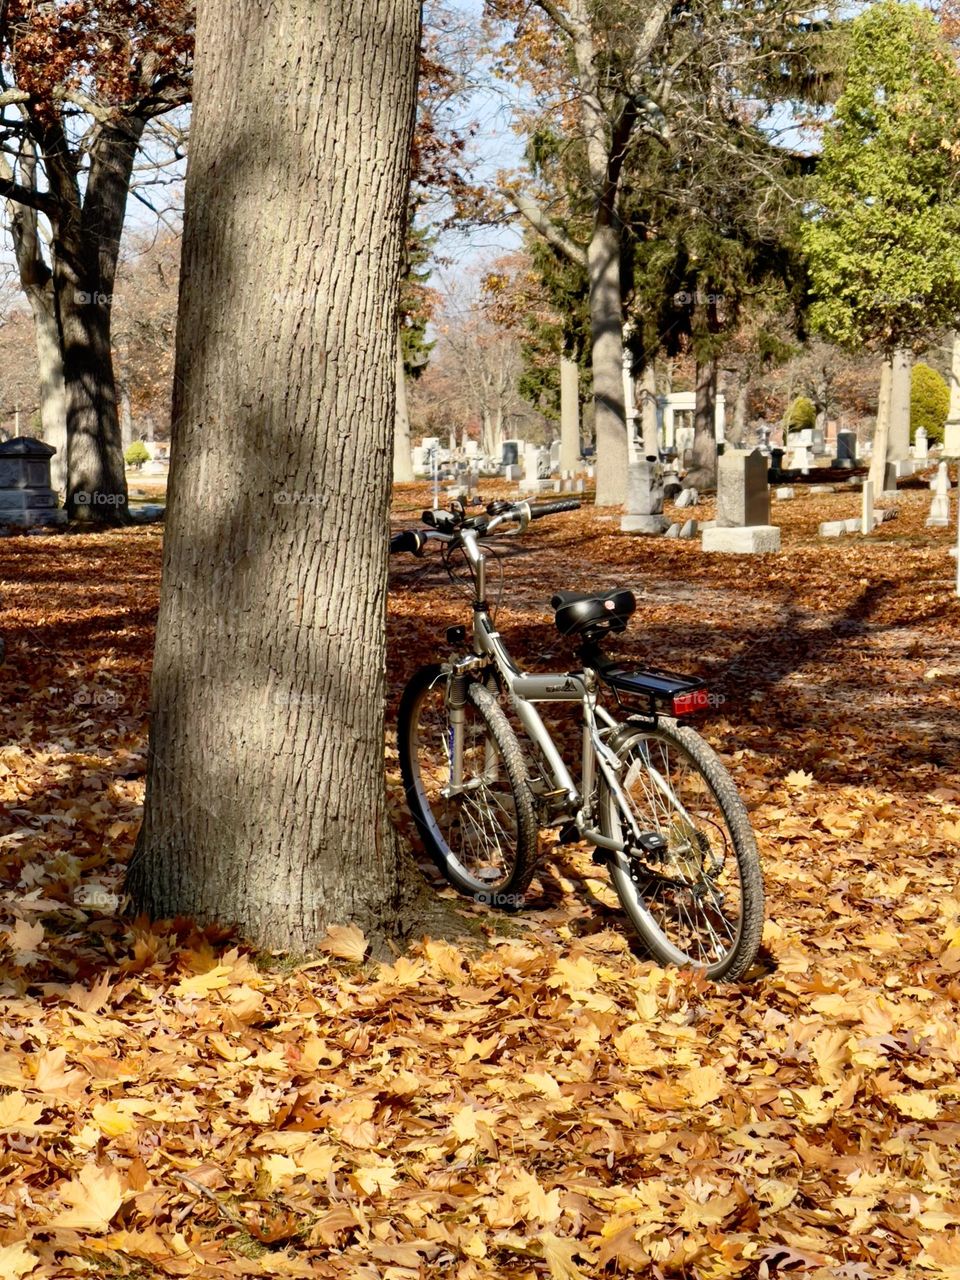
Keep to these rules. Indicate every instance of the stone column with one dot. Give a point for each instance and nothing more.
(866, 508)
(630, 409)
(648, 412)
(569, 415)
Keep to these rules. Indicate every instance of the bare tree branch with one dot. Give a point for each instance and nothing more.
(540, 221)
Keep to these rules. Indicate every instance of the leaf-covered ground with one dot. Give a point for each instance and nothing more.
(551, 1104)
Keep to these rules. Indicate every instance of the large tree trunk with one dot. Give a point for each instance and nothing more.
(53, 405)
(881, 436)
(265, 799)
(899, 446)
(738, 428)
(569, 415)
(702, 473)
(36, 280)
(85, 251)
(606, 325)
(648, 411)
(402, 456)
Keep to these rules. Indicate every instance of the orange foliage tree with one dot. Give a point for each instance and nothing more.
(82, 82)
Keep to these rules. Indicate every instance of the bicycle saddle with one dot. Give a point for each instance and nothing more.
(590, 615)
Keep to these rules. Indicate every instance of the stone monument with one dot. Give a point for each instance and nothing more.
(939, 517)
(743, 492)
(846, 449)
(26, 497)
(742, 526)
(644, 505)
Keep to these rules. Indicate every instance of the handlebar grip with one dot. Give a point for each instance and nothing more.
(554, 508)
(408, 540)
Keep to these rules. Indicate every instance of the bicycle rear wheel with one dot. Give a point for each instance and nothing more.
(481, 832)
(696, 898)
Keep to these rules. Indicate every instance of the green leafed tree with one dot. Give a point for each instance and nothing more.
(883, 240)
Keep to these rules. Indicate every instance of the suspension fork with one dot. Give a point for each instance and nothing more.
(457, 693)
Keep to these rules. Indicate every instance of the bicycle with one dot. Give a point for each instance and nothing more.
(652, 798)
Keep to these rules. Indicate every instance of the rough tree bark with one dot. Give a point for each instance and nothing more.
(265, 800)
(36, 280)
(702, 473)
(648, 411)
(607, 127)
(738, 429)
(898, 449)
(85, 251)
(881, 436)
(402, 456)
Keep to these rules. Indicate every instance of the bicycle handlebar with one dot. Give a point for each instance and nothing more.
(554, 508)
(444, 527)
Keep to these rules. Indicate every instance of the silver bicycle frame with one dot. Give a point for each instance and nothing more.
(524, 691)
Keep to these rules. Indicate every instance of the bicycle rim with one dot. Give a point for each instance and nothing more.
(475, 832)
(698, 901)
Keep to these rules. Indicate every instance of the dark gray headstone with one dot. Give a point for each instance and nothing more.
(26, 498)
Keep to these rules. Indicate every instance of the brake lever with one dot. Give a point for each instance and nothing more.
(520, 512)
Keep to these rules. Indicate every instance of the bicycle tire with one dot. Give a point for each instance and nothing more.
(635, 886)
(451, 831)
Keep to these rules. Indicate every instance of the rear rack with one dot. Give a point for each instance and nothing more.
(656, 686)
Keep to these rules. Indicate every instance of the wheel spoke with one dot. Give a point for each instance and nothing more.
(686, 897)
(477, 827)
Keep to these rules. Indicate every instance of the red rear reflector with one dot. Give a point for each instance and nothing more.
(688, 704)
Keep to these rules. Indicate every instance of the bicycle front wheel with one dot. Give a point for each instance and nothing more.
(695, 894)
(475, 816)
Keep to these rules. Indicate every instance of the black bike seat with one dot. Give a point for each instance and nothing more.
(578, 613)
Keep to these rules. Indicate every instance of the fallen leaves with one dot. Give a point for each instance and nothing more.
(551, 1103)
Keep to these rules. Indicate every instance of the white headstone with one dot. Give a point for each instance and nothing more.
(939, 517)
(921, 445)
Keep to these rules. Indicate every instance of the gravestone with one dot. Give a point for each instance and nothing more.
(846, 449)
(644, 505)
(531, 470)
(687, 498)
(939, 517)
(921, 445)
(743, 494)
(800, 459)
(759, 540)
(684, 441)
(26, 498)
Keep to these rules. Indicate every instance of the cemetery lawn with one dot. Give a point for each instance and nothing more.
(547, 1103)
